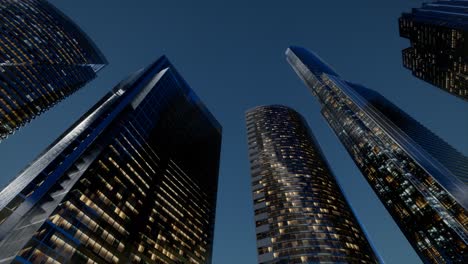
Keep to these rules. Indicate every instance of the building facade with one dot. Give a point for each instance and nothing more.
(301, 214)
(438, 33)
(133, 181)
(44, 57)
(419, 178)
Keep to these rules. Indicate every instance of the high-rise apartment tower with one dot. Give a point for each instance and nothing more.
(438, 33)
(421, 180)
(301, 214)
(44, 57)
(132, 181)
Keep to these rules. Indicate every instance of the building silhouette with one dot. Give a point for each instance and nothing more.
(134, 180)
(438, 33)
(44, 57)
(301, 214)
(419, 178)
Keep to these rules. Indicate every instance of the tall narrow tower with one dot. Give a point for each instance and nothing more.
(421, 180)
(301, 215)
(133, 181)
(44, 57)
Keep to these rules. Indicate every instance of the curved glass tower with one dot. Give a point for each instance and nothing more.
(301, 214)
(133, 181)
(421, 180)
(44, 58)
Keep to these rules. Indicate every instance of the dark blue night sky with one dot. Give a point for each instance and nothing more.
(232, 54)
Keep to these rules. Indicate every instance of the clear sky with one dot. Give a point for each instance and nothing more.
(232, 54)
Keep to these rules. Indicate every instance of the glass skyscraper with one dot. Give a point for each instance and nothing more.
(44, 57)
(301, 214)
(438, 54)
(132, 181)
(421, 180)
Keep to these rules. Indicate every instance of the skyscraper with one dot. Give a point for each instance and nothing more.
(44, 57)
(438, 33)
(301, 215)
(419, 178)
(133, 181)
